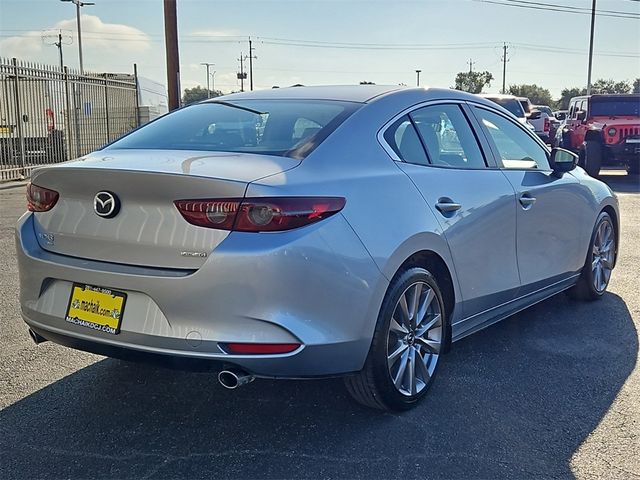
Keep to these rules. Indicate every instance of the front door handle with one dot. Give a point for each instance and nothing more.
(446, 205)
(527, 201)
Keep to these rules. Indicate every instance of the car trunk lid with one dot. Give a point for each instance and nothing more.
(148, 229)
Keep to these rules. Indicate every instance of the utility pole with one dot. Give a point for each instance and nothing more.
(504, 67)
(208, 65)
(593, 24)
(78, 5)
(213, 81)
(173, 58)
(57, 39)
(471, 63)
(251, 58)
(418, 77)
(242, 75)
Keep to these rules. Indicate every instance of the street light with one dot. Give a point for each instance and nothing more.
(208, 65)
(79, 4)
(418, 77)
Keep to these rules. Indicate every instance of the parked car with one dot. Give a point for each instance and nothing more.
(554, 123)
(604, 130)
(512, 105)
(560, 115)
(540, 120)
(398, 221)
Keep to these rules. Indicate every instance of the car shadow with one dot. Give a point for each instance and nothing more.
(620, 182)
(515, 400)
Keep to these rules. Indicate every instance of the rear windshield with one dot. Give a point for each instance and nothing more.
(290, 128)
(615, 107)
(511, 104)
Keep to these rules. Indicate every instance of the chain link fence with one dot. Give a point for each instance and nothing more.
(49, 115)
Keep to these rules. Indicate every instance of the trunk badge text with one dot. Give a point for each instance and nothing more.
(47, 238)
(106, 204)
(193, 254)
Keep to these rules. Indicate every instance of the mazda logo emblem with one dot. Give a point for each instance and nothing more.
(106, 204)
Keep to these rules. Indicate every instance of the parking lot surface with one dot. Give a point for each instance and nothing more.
(553, 392)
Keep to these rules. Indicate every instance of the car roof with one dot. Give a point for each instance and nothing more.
(345, 93)
(498, 96)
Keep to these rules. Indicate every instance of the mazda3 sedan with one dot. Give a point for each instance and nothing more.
(310, 232)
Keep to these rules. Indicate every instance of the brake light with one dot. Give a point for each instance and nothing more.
(40, 199)
(260, 348)
(259, 214)
(51, 120)
(547, 124)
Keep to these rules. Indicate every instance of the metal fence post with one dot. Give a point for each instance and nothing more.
(106, 106)
(16, 92)
(135, 77)
(68, 108)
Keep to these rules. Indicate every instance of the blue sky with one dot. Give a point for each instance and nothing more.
(438, 37)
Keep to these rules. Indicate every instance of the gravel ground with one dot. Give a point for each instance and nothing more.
(553, 392)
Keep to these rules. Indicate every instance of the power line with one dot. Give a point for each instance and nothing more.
(557, 8)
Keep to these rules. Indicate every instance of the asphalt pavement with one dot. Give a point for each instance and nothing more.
(553, 392)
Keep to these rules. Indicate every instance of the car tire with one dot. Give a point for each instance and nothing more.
(601, 258)
(592, 157)
(407, 344)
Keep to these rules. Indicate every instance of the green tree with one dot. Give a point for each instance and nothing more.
(610, 86)
(197, 94)
(636, 85)
(537, 95)
(567, 94)
(366, 83)
(473, 82)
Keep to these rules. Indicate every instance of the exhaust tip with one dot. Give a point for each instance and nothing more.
(233, 379)
(37, 339)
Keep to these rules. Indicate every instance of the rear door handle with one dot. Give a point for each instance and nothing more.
(527, 201)
(446, 205)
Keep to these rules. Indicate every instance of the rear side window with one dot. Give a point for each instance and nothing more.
(271, 127)
(404, 140)
(446, 134)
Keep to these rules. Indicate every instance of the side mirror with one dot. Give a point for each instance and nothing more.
(581, 115)
(562, 161)
(535, 114)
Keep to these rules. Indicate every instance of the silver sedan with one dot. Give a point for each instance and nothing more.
(310, 232)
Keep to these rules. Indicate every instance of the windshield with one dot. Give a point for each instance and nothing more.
(611, 107)
(544, 109)
(510, 104)
(271, 127)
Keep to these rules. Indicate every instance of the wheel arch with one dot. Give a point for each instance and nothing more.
(593, 135)
(616, 225)
(436, 265)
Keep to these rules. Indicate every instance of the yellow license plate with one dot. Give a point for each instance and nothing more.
(96, 307)
(6, 129)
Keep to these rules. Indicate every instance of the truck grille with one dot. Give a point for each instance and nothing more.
(627, 132)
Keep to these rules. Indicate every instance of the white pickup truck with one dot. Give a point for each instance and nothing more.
(512, 104)
(538, 118)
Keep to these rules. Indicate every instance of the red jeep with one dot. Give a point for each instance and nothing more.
(604, 130)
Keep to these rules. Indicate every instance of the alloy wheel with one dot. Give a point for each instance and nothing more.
(414, 341)
(603, 255)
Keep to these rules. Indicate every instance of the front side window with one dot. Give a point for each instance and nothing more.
(516, 148)
(270, 127)
(446, 134)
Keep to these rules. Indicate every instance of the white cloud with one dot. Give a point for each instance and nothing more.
(96, 34)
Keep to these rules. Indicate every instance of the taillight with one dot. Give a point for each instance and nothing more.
(259, 348)
(51, 120)
(547, 124)
(259, 214)
(40, 199)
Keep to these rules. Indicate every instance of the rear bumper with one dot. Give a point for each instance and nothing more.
(316, 286)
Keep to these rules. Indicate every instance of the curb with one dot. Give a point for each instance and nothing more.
(13, 184)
